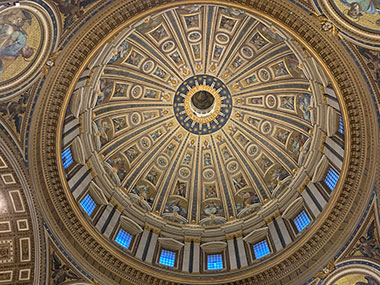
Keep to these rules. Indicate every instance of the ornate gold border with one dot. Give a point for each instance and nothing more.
(61, 83)
(216, 111)
(345, 26)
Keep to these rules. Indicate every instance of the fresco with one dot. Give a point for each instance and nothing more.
(356, 279)
(245, 198)
(119, 164)
(177, 206)
(214, 207)
(20, 42)
(368, 244)
(363, 14)
(13, 111)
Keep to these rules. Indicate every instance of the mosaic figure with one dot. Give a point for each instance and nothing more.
(274, 176)
(280, 69)
(269, 34)
(212, 208)
(176, 206)
(105, 130)
(254, 122)
(227, 23)
(132, 153)
(180, 189)
(134, 59)
(258, 41)
(60, 272)
(121, 90)
(176, 58)
(247, 52)
(294, 67)
(189, 9)
(373, 62)
(149, 93)
(197, 51)
(368, 245)
(119, 123)
(264, 163)
(256, 100)
(226, 153)
(217, 52)
(120, 53)
(152, 176)
(246, 198)
(242, 139)
(159, 72)
(251, 79)
(297, 140)
(149, 115)
(287, 102)
(359, 7)
(170, 148)
(14, 38)
(282, 135)
(239, 182)
(210, 191)
(144, 192)
(187, 158)
(156, 134)
(159, 33)
(304, 102)
(105, 90)
(192, 21)
(14, 111)
(119, 163)
(237, 63)
(207, 159)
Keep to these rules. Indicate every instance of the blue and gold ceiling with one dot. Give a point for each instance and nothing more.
(210, 165)
(204, 142)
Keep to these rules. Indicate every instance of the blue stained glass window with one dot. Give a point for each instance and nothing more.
(341, 125)
(261, 249)
(88, 204)
(124, 238)
(67, 158)
(214, 261)
(331, 178)
(301, 221)
(167, 257)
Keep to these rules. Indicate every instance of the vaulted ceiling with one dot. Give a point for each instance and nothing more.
(209, 142)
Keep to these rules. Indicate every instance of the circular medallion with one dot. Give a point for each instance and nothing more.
(145, 142)
(222, 38)
(202, 104)
(194, 37)
(168, 46)
(26, 38)
(136, 91)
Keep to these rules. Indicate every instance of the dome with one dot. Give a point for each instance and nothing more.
(204, 118)
(201, 143)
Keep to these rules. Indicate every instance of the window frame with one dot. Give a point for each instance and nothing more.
(257, 242)
(325, 177)
(129, 248)
(72, 164)
(295, 229)
(176, 252)
(223, 261)
(97, 205)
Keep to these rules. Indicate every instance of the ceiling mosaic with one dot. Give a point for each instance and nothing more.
(202, 114)
(199, 115)
(209, 143)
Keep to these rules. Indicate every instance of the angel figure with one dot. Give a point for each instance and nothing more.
(368, 246)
